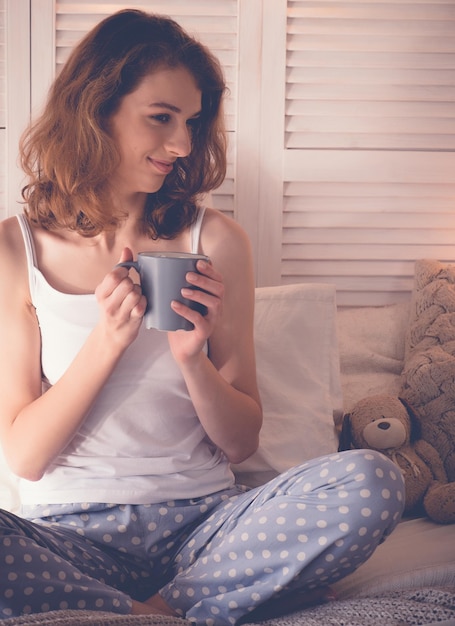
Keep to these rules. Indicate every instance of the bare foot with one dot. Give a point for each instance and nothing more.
(153, 606)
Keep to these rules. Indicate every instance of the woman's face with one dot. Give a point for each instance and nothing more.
(152, 128)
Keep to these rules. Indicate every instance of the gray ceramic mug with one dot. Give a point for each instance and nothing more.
(163, 275)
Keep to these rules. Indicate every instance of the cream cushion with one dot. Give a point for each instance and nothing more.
(298, 376)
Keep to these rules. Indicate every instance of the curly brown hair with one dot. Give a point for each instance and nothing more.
(69, 155)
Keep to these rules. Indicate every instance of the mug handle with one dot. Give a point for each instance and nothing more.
(129, 265)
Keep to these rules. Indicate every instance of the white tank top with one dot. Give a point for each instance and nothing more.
(141, 441)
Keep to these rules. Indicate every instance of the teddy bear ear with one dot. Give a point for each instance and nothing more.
(345, 435)
(416, 431)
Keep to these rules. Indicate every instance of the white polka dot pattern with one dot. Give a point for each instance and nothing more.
(212, 559)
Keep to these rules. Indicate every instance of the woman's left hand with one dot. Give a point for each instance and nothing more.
(210, 292)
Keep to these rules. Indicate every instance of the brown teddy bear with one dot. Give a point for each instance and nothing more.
(389, 424)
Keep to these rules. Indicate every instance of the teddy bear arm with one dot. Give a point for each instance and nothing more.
(439, 503)
(432, 459)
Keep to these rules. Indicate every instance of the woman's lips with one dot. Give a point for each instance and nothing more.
(162, 166)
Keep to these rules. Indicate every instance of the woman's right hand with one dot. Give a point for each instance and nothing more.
(122, 304)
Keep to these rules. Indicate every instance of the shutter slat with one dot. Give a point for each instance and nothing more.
(357, 141)
(379, 224)
(373, 236)
(365, 252)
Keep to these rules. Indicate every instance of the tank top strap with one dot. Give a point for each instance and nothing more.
(31, 253)
(196, 230)
(29, 249)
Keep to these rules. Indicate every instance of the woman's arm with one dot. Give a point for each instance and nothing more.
(35, 427)
(223, 387)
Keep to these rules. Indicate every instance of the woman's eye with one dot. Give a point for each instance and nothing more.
(163, 118)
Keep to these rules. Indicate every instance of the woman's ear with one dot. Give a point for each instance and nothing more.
(345, 442)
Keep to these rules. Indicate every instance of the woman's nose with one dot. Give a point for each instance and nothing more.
(179, 143)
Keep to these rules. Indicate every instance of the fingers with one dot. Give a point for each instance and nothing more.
(133, 301)
(210, 287)
(126, 255)
(206, 269)
(120, 297)
(118, 274)
(112, 281)
(125, 299)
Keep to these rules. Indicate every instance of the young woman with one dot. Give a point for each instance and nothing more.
(122, 436)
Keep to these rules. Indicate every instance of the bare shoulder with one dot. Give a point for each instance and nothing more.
(222, 237)
(10, 235)
(228, 246)
(13, 269)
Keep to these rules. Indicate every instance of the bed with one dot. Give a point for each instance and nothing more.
(314, 362)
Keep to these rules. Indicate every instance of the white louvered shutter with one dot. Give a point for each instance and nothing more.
(368, 144)
(16, 97)
(342, 126)
(2, 109)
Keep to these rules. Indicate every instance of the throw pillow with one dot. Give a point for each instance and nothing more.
(428, 378)
(298, 377)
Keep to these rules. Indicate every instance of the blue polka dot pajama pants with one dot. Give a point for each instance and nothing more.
(213, 559)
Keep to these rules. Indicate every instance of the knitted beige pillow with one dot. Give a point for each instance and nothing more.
(428, 378)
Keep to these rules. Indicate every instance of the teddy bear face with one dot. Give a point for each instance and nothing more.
(381, 423)
(385, 434)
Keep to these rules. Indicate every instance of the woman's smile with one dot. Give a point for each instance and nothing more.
(165, 167)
